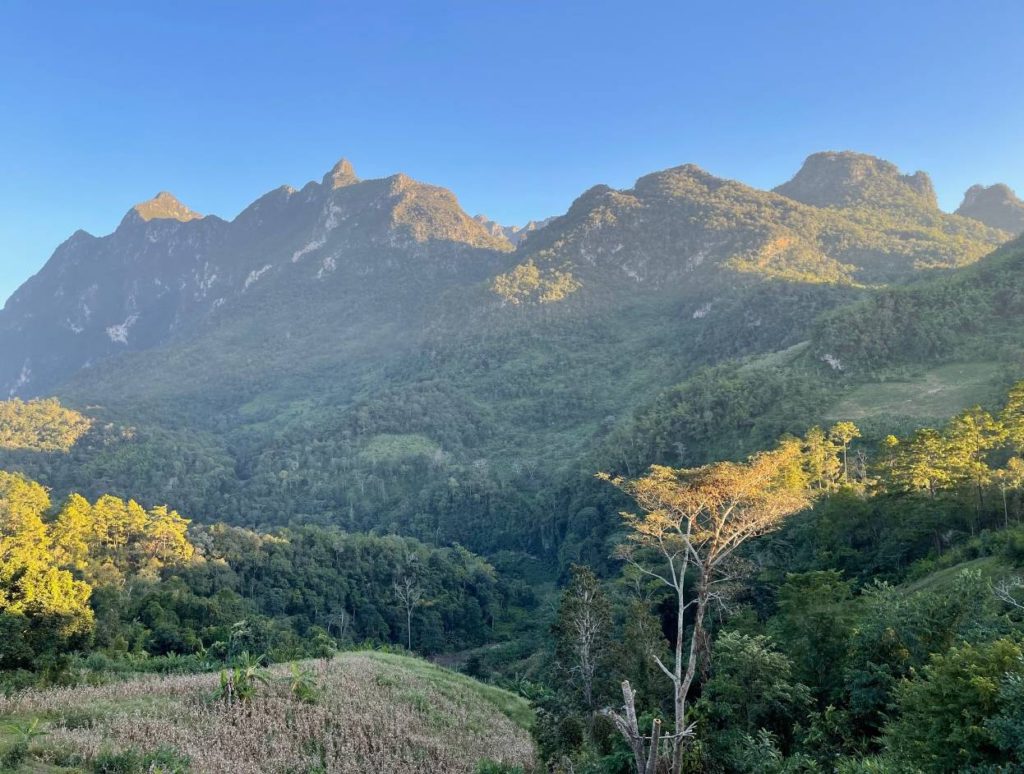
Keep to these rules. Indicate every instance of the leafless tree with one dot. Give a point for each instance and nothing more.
(340, 622)
(584, 620)
(410, 594)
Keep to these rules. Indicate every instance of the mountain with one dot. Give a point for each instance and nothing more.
(163, 206)
(514, 234)
(849, 179)
(696, 235)
(166, 270)
(996, 206)
(365, 353)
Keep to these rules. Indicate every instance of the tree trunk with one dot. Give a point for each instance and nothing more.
(644, 756)
(652, 758)
(679, 704)
(683, 687)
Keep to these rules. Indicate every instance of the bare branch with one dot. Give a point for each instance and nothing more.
(1004, 591)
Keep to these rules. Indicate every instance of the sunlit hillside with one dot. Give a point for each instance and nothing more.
(355, 713)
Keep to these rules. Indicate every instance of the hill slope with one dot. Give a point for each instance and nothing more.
(375, 712)
(894, 359)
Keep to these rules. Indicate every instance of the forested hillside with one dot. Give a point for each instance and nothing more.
(841, 606)
(370, 357)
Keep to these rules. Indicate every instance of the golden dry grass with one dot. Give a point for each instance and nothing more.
(375, 713)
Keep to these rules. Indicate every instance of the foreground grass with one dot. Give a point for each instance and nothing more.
(373, 712)
(453, 686)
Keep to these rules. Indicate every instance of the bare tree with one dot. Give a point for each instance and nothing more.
(583, 623)
(693, 521)
(410, 594)
(645, 749)
(842, 433)
(339, 621)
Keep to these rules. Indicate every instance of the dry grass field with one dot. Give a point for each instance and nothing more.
(372, 712)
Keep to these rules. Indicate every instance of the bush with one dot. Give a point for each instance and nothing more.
(1014, 547)
(163, 760)
(492, 767)
(14, 756)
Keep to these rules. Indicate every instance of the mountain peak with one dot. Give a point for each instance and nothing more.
(995, 205)
(164, 206)
(513, 234)
(342, 174)
(845, 178)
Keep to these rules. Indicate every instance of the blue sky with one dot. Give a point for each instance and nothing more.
(518, 107)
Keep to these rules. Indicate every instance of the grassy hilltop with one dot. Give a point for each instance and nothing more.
(364, 711)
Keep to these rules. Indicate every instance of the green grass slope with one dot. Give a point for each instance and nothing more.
(932, 393)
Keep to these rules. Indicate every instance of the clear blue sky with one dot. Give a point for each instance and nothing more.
(516, 106)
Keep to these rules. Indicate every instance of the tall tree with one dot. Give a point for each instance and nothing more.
(1010, 478)
(921, 463)
(1012, 417)
(843, 433)
(970, 437)
(692, 522)
(821, 460)
(410, 594)
(583, 630)
(54, 605)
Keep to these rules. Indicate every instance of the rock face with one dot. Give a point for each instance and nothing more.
(341, 175)
(995, 205)
(848, 179)
(163, 206)
(167, 269)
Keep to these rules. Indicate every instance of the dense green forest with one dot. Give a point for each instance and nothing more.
(969, 315)
(880, 629)
(115, 580)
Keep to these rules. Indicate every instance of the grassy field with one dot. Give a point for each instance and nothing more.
(372, 712)
(937, 393)
(989, 568)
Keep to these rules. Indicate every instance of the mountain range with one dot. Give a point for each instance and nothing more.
(364, 352)
(167, 269)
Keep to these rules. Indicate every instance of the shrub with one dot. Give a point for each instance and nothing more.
(492, 767)
(163, 760)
